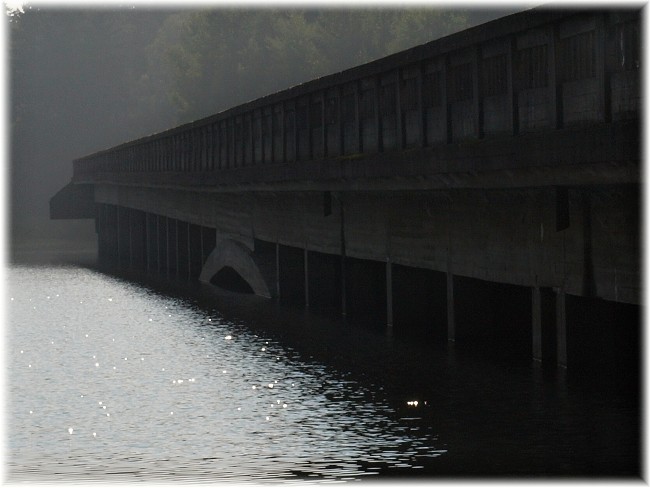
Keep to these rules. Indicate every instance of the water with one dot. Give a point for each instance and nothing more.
(110, 380)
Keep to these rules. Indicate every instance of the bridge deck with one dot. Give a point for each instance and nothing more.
(537, 88)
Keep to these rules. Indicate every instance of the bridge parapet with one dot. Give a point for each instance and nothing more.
(530, 76)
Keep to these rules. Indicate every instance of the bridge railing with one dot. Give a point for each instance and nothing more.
(537, 70)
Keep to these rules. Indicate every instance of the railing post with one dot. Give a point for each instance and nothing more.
(476, 88)
(399, 135)
(554, 84)
(604, 98)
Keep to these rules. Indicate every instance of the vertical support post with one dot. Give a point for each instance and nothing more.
(420, 106)
(560, 304)
(399, 131)
(604, 95)
(306, 259)
(513, 97)
(378, 122)
(339, 117)
(343, 285)
(167, 246)
(446, 85)
(189, 246)
(201, 234)
(537, 323)
(158, 243)
(130, 218)
(177, 256)
(117, 232)
(476, 88)
(99, 226)
(147, 240)
(451, 321)
(554, 84)
(277, 268)
(389, 293)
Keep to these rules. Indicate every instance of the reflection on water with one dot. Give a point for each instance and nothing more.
(113, 381)
(109, 379)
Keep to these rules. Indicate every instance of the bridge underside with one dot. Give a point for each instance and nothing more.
(440, 263)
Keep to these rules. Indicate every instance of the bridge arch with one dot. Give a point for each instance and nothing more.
(229, 253)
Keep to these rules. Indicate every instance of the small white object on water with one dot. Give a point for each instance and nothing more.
(94, 434)
(96, 365)
(270, 385)
(228, 337)
(70, 430)
(284, 405)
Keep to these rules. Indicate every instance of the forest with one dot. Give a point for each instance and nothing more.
(81, 80)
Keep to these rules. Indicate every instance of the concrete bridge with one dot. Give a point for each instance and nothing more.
(484, 183)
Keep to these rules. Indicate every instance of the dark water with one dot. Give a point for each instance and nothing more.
(112, 380)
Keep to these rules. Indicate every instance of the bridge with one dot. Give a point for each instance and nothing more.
(484, 183)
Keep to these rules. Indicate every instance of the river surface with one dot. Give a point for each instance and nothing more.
(115, 380)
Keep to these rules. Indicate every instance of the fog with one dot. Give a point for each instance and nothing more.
(81, 80)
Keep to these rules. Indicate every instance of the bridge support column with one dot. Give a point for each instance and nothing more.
(158, 247)
(111, 241)
(195, 251)
(182, 250)
(560, 320)
(543, 321)
(176, 250)
(451, 320)
(306, 261)
(99, 228)
(138, 240)
(537, 323)
(389, 293)
(277, 270)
